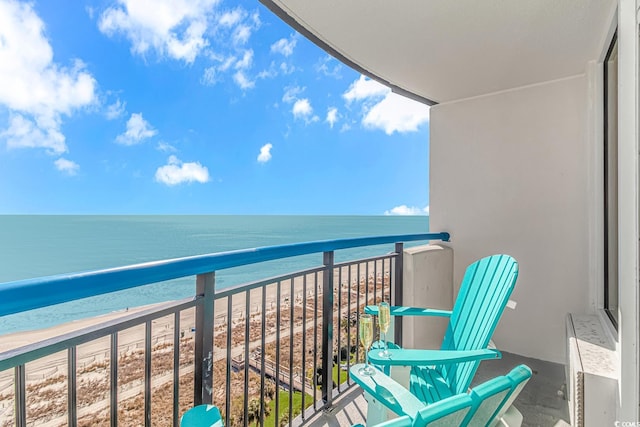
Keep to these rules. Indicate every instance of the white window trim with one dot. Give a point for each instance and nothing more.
(628, 209)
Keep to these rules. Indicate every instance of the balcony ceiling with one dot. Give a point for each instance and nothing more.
(443, 50)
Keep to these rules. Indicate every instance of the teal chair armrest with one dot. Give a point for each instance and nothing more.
(411, 357)
(397, 310)
(387, 391)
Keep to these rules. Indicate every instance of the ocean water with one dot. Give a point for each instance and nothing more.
(35, 246)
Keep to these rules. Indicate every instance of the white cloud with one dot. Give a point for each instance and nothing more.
(115, 110)
(241, 34)
(173, 28)
(184, 30)
(325, 66)
(285, 46)
(67, 166)
(210, 76)
(177, 172)
(406, 210)
(243, 81)
(25, 133)
(245, 62)
(332, 116)
(227, 63)
(36, 91)
(274, 70)
(265, 153)
(365, 88)
(232, 17)
(302, 108)
(384, 110)
(229, 36)
(138, 129)
(287, 68)
(396, 113)
(166, 147)
(269, 73)
(291, 93)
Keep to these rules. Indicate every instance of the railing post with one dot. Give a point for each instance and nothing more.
(20, 398)
(397, 293)
(203, 363)
(327, 329)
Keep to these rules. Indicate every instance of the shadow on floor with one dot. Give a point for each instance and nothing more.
(542, 401)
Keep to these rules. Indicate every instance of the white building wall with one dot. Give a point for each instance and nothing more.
(628, 208)
(509, 174)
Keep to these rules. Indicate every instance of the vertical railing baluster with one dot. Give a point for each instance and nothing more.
(327, 329)
(263, 333)
(382, 293)
(366, 289)
(303, 369)
(113, 371)
(277, 367)
(398, 292)
(72, 388)
(262, 343)
(203, 357)
(358, 315)
(247, 311)
(20, 384)
(339, 341)
(375, 282)
(147, 373)
(227, 403)
(315, 338)
(291, 336)
(176, 367)
(349, 275)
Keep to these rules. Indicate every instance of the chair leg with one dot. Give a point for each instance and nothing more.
(376, 411)
(511, 418)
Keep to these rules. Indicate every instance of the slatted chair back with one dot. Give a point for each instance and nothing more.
(483, 296)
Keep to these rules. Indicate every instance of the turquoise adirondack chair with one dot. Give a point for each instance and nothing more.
(438, 374)
(202, 416)
(487, 404)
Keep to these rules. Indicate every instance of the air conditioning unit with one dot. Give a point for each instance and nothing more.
(592, 372)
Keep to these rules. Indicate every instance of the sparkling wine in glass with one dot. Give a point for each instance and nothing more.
(366, 338)
(384, 319)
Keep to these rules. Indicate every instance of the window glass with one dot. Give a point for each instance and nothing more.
(611, 182)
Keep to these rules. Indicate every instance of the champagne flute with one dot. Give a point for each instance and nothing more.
(366, 338)
(384, 319)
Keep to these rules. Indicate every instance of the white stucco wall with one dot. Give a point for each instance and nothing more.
(509, 174)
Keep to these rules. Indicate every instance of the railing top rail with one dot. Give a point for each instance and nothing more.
(29, 294)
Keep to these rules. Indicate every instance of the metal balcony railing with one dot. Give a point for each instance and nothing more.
(270, 348)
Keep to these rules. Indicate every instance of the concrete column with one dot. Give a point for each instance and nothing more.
(427, 282)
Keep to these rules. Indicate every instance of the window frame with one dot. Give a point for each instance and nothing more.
(607, 188)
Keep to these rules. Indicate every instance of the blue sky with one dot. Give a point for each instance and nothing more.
(194, 107)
